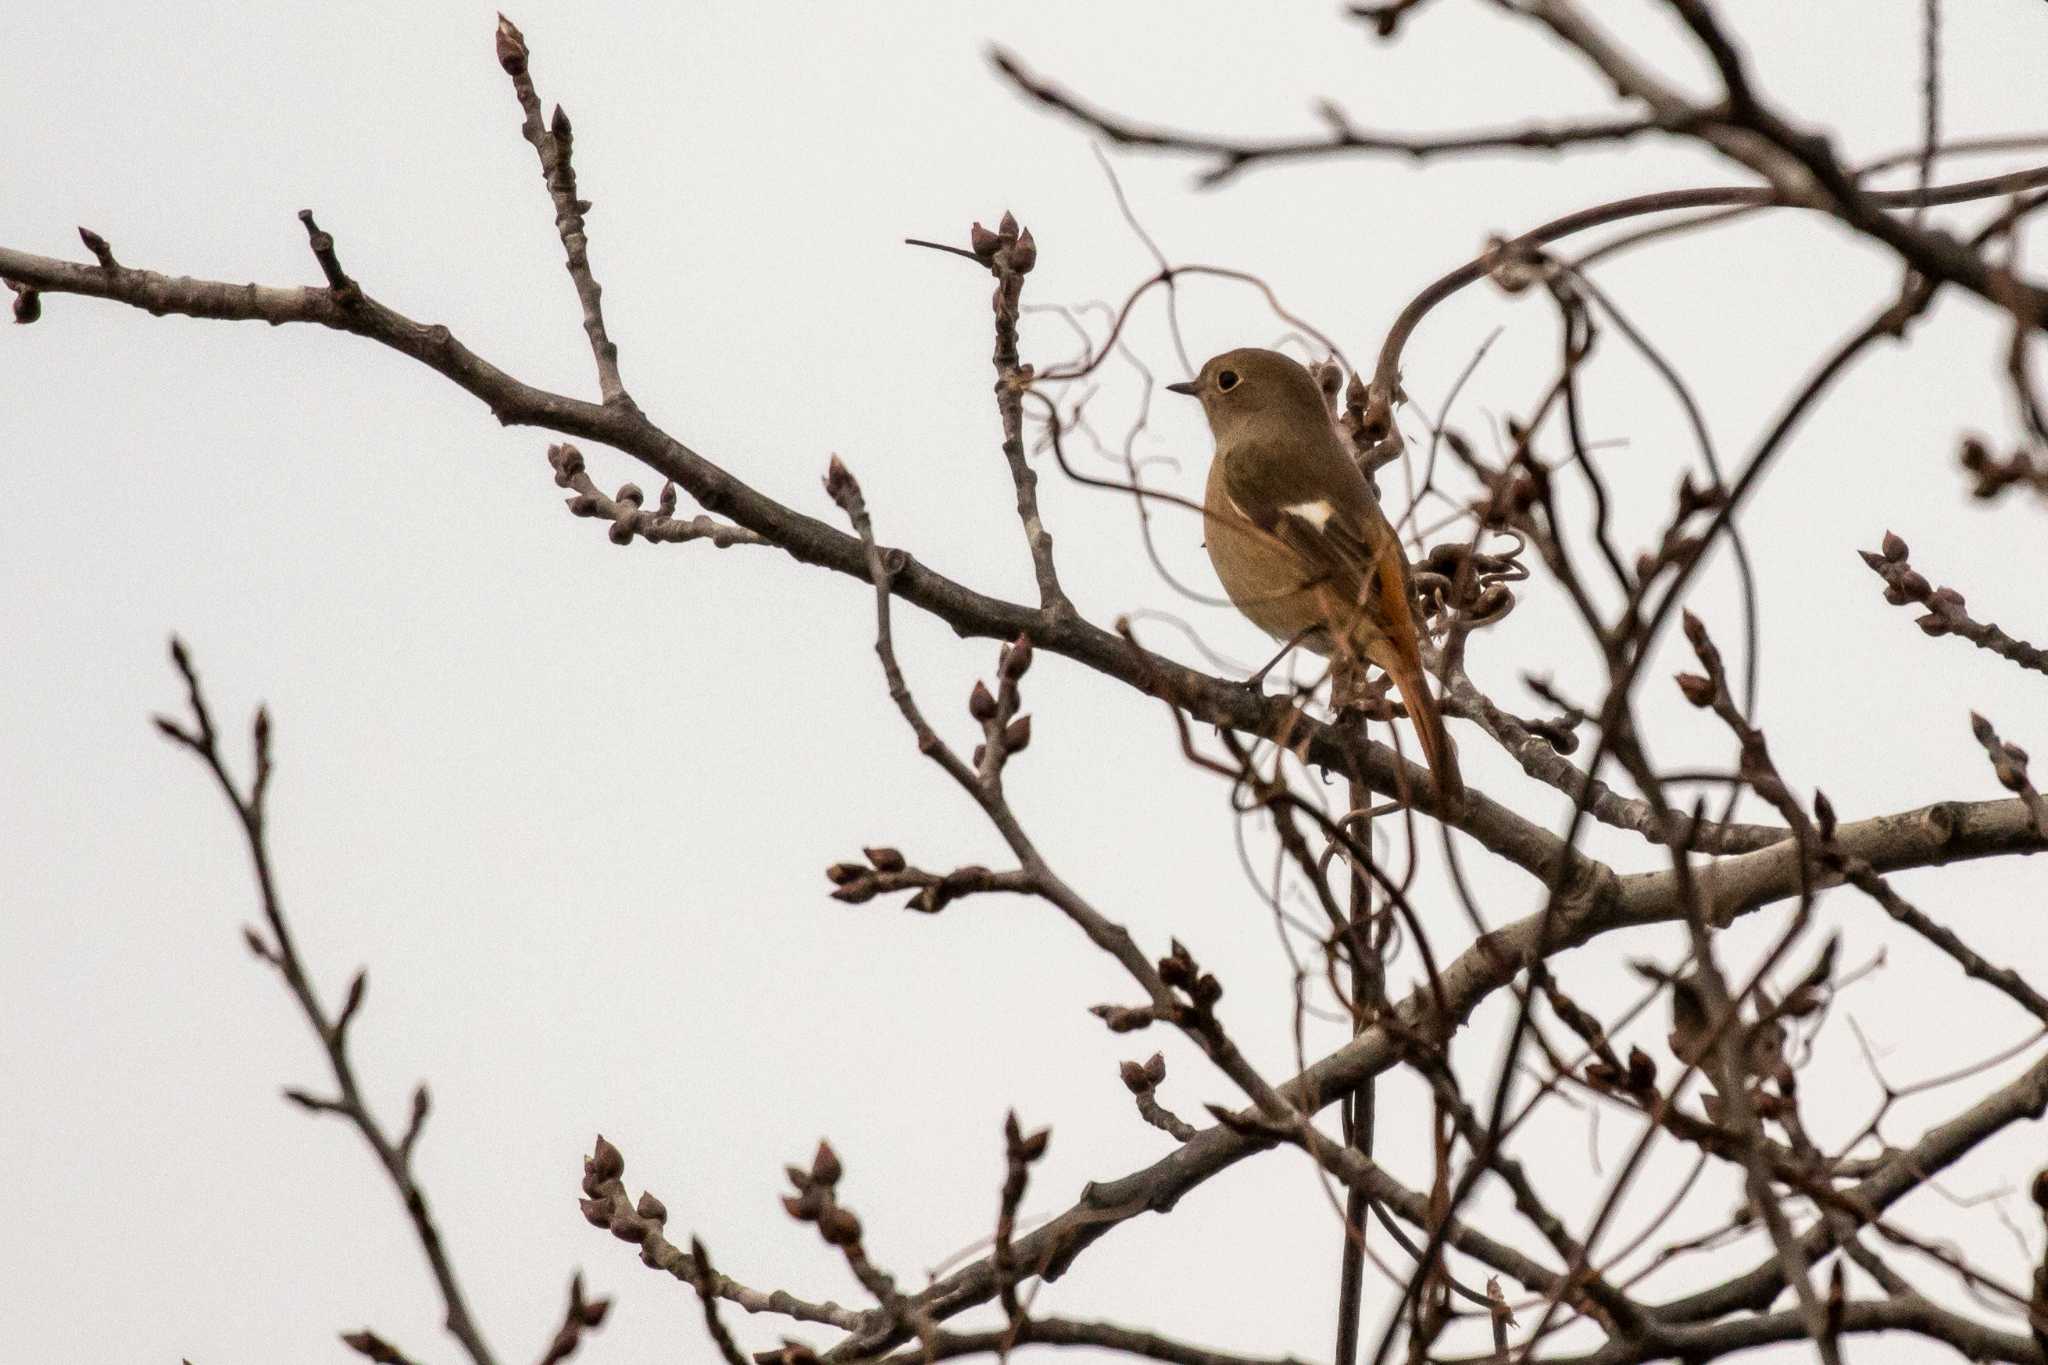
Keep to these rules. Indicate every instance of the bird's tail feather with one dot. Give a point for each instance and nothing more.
(1429, 728)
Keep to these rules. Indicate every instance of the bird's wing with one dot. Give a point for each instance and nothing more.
(1317, 504)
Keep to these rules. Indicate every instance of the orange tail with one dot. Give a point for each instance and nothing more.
(1429, 728)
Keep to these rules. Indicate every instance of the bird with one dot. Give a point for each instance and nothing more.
(1298, 539)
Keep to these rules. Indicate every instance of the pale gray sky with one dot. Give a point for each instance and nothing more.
(571, 803)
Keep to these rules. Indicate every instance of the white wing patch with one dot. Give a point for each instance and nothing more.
(1316, 514)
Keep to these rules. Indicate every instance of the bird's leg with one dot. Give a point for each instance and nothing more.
(1256, 682)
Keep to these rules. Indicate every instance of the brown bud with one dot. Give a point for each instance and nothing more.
(1642, 1072)
(596, 1212)
(1916, 588)
(1016, 658)
(981, 704)
(1024, 255)
(858, 891)
(1695, 630)
(839, 1227)
(97, 245)
(512, 52)
(839, 874)
(825, 1166)
(1894, 548)
(1033, 1147)
(1947, 601)
(568, 462)
(1007, 228)
(605, 1161)
(630, 494)
(559, 125)
(1981, 728)
(1208, 990)
(650, 1208)
(28, 304)
(839, 482)
(885, 859)
(1122, 1018)
(984, 242)
(1698, 690)
(1017, 735)
(1134, 1078)
(1932, 624)
(1824, 815)
(628, 1228)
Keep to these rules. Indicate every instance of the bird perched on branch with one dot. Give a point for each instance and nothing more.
(1299, 540)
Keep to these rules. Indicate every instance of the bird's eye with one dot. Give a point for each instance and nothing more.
(1227, 380)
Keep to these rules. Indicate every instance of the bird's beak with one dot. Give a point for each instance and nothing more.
(1188, 387)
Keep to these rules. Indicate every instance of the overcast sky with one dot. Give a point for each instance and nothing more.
(571, 803)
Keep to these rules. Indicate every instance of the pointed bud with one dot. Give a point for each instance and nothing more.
(885, 859)
(511, 47)
(839, 482)
(1699, 691)
(559, 125)
(1016, 658)
(1134, 1078)
(825, 1166)
(1695, 630)
(97, 245)
(1007, 228)
(354, 1001)
(605, 1161)
(28, 305)
(984, 242)
(980, 703)
(1894, 548)
(839, 874)
(650, 1208)
(1025, 254)
(1017, 735)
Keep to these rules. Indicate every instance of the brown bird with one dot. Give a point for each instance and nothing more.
(1300, 541)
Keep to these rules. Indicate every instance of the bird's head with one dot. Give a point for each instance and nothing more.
(1252, 392)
